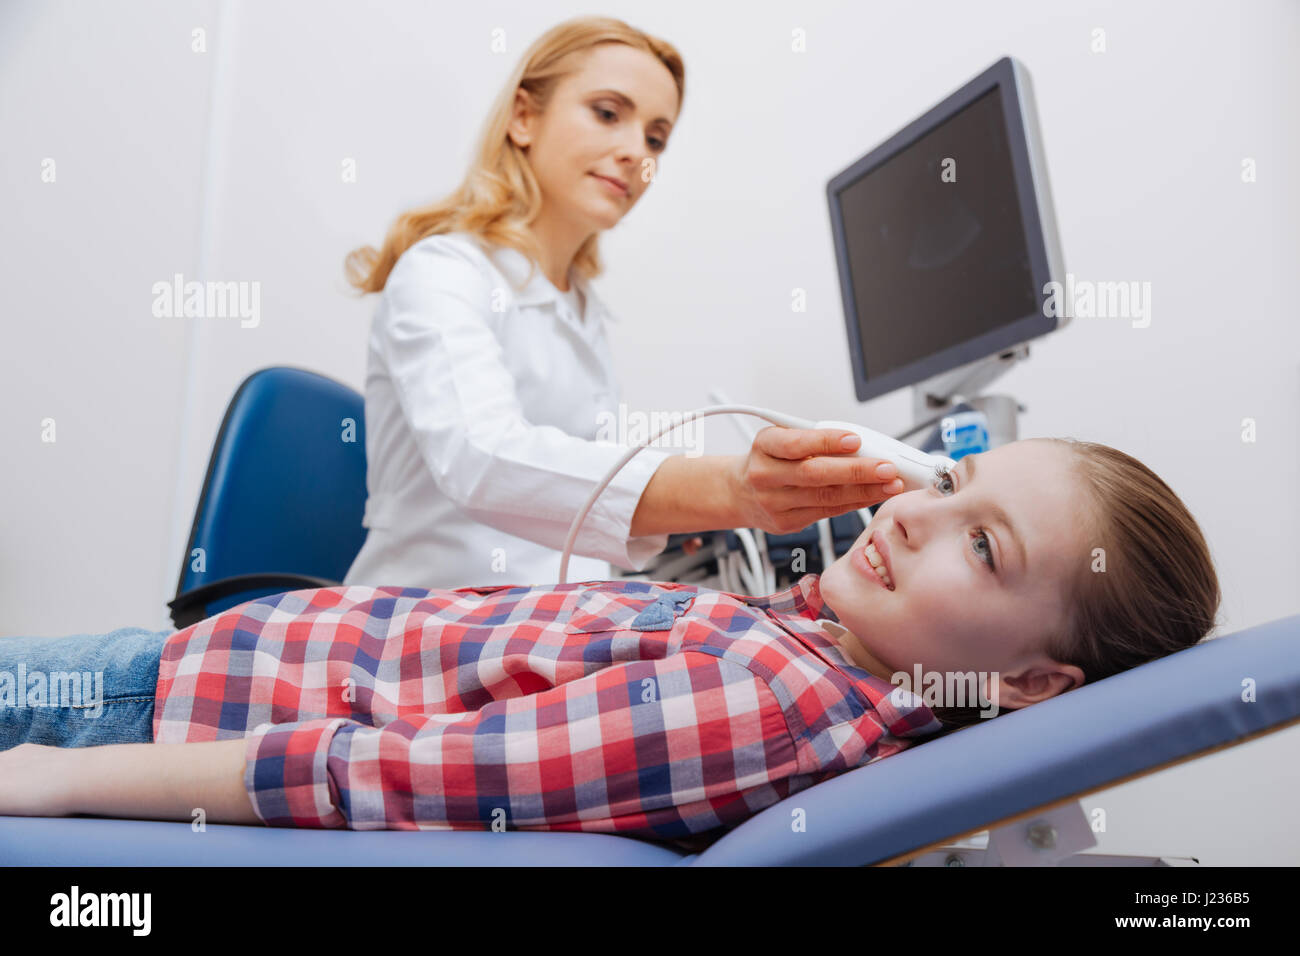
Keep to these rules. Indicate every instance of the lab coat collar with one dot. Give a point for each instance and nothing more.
(514, 265)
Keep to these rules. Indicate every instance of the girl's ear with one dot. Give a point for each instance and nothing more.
(1038, 682)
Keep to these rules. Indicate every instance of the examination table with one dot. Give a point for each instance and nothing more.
(1019, 776)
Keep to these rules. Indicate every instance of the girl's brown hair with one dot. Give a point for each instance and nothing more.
(499, 196)
(1158, 592)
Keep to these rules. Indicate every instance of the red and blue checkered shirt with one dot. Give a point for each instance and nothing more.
(654, 710)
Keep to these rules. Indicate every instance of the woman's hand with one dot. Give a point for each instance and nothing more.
(793, 477)
(34, 781)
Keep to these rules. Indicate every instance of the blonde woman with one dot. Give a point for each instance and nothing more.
(489, 368)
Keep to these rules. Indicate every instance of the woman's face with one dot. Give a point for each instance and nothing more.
(588, 131)
(949, 611)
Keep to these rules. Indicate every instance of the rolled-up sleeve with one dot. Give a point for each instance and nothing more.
(462, 405)
(658, 748)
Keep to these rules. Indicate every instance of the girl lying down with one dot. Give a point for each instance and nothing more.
(657, 710)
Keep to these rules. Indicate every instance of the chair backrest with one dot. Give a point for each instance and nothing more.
(286, 484)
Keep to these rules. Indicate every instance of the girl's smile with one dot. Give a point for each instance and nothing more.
(986, 565)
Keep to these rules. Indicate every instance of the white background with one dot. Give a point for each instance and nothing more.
(226, 165)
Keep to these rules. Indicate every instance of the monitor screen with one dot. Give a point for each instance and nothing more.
(943, 239)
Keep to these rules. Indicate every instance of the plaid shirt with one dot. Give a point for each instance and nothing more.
(644, 709)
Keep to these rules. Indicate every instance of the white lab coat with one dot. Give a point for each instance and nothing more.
(480, 427)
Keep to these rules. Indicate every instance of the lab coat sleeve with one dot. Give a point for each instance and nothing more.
(461, 403)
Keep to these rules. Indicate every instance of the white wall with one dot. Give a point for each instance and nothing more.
(226, 165)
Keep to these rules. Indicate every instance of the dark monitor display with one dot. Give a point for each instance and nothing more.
(939, 232)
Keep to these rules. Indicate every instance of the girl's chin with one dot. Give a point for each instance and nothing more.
(840, 586)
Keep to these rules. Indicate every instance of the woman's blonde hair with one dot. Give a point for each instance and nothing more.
(1158, 592)
(500, 196)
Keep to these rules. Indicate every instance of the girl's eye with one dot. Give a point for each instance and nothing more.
(946, 485)
(602, 113)
(987, 556)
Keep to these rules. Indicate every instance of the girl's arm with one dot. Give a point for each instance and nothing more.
(142, 781)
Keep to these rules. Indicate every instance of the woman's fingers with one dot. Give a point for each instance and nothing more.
(805, 457)
(792, 477)
(841, 497)
(803, 517)
(795, 444)
(790, 520)
(786, 510)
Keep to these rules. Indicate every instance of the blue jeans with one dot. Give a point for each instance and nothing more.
(79, 691)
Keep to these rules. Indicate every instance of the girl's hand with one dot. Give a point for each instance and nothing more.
(138, 781)
(34, 781)
(793, 477)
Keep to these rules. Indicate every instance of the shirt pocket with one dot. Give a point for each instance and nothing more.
(612, 607)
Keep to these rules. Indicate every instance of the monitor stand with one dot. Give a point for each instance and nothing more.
(958, 390)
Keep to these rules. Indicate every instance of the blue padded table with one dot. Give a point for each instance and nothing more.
(1138, 722)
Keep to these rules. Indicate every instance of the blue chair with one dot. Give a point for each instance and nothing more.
(283, 498)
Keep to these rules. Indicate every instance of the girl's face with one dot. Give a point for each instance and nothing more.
(968, 594)
(589, 130)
